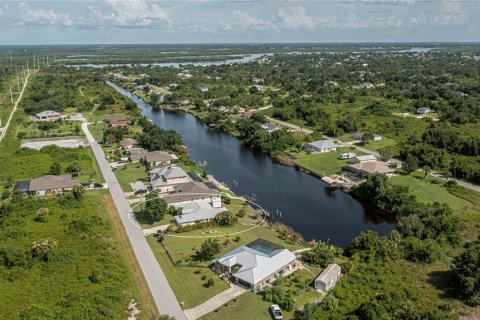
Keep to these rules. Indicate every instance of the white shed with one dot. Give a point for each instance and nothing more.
(328, 278)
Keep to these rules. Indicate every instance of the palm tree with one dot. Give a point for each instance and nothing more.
(426, 172)
(42, 214)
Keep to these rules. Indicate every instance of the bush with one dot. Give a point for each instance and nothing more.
(467, 272)
(208, 250)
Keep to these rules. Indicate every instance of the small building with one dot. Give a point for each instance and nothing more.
(328, 278)
(193, 192)
(423, 111)
(164, 179)
(128, 143)
(256, 264)
(269, 127)
(331, 83)
(48, 115)
(203, 89)
(359, 136)
(117, 120)
(50, 184)
(365, 158)
(194, 212)
(320, 146)
(134, 151)
(365, 168)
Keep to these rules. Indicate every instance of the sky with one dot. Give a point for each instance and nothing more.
(237, 21)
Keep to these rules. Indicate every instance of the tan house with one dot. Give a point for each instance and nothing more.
(188, 192)
(164, 179)
(256, 264)
(128, 143)
(50, 184)
(365, 168)
(117, 120)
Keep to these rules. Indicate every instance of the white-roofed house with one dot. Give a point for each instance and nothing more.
(164, 179)
(320, 146)
(194, 212)
(365, 158)
(328, 278)
(269, 127)
(256, 264)
(48, 115)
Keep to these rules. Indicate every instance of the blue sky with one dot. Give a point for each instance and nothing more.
(220, 21)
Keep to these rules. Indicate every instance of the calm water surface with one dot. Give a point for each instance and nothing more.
(301, 199)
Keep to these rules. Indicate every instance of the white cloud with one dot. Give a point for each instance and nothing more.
(353, 21)
(451, 14)
(294, 18)
(129, 13)
(244, 21)
(29, 15)
(380, 2)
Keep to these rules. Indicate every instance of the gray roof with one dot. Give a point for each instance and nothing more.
(329, 272)
(165, 173)
(197, 211)
(52, 182)
(190, 191)
(270, 127)
(136, 151)
(48, 113)
(159, 156)
(256, 265)
(322, 144)
(423, 109)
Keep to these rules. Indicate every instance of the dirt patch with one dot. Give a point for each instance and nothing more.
(148, 306)
(62, 143)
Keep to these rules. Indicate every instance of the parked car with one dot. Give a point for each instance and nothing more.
(276, 312)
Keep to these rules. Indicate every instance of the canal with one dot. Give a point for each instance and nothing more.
(294, 198)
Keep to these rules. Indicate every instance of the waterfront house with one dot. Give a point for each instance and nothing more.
(49, 184)
(363, 169)
(359, 136)
(270, 127)
(48, 115)
(328, 278)
(365, 158)
(134, 151)
(128, 143)
(116, 120)
(320, 146)
(194, 212)
(154, 158)
(188, 192)
(164, 179)
(256, 264)
(423, 111)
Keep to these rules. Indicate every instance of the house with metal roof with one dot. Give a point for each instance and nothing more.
(328, 278)
(269, 127)
(194, 212)
(320, 146)
(163, 179)
(48, 115)
(364, 158)
(256, 264)
(423, 111)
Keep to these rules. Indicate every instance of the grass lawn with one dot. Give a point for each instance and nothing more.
(187, 282)
(376, 145)
(324, 164)
(130, 173)
(96, 129)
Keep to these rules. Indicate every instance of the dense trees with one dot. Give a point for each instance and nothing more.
(155, 208)
(155, 138)
(467, 273)
(208, 250)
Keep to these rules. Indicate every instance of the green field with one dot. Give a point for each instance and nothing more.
(88, 275)
(324, 164)
(130, 173)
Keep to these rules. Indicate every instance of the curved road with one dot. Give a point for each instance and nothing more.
(161, 291)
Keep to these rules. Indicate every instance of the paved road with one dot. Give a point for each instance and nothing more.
(5, 128)
(215, 302)
(161, 291)
(290, 125)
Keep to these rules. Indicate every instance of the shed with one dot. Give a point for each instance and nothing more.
(328, 278)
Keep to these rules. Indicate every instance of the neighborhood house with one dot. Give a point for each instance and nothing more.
(270, 127)
(328, 278)
(188, 192)
(154, 158)
(116, 120)
(365, 158)
(163, 179)
(320, 146)
(365, 168)
(48, 185)
(256, 264)
(48, 115)
(360, 135)
(423, 111)
(194, 212)
(128, 143)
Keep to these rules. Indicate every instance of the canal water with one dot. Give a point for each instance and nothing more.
(295, 198)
